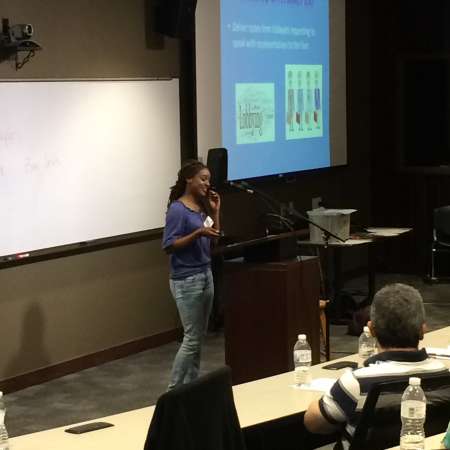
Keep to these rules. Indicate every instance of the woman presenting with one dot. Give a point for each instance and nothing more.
(192, 224)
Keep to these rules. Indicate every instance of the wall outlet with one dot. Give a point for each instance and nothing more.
(316, 202)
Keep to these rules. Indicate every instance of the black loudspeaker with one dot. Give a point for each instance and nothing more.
(176, 18)
(218, 166)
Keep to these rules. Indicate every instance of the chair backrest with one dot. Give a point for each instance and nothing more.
(197, 416)
(380, 423)
(441, 223)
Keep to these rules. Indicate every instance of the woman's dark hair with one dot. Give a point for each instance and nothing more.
(189, 169)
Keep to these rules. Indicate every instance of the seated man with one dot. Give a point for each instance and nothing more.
(398, 323)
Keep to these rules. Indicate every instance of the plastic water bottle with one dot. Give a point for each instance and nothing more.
(446, 440)
(302, 360)
(413, 410)
(366, 344)
(4, 444)
(447, 437)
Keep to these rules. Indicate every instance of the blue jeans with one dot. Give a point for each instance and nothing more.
(194, 297)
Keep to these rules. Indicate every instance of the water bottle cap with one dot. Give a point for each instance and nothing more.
(414, 381)
(301, 337)
(366, 329)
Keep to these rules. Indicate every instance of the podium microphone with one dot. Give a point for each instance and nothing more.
(240, 186)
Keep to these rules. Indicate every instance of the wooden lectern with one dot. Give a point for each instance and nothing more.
(267, 305)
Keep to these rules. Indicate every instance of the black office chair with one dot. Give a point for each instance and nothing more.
(379, 425)
(441, 238)
(197, 416)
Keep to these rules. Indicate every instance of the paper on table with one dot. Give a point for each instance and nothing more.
(387, 231)
(353, 241)
(341, 211)
(437, 351)
(331, 212)
(318, 384)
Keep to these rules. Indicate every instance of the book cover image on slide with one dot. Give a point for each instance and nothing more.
(255, 113)
(303, 86)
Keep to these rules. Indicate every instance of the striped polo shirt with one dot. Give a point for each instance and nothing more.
(345, 400)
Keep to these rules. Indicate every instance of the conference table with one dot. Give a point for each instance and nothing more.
(257, 402)
(431, 443)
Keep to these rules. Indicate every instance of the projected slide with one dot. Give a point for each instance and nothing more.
(303, 102)
(275, 86)
(255, 113)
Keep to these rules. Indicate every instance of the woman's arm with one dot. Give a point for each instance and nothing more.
(214, 206)
(189, 238)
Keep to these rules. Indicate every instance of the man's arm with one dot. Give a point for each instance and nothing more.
(315, 422)
(335, 408)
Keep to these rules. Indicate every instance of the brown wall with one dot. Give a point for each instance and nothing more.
(89, 39)
(61, 309)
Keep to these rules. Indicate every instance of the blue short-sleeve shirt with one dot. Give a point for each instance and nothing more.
(195, 257)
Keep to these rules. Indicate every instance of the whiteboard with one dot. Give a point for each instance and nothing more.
(85, 160)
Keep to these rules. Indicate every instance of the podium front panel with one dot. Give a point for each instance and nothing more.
(266, 306)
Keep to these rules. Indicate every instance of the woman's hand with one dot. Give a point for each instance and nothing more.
(208, 232)
(214, 201)
(188, 239)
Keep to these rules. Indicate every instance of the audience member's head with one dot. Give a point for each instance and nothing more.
(397, 317)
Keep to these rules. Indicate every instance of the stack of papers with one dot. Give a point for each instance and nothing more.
(387, 231)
